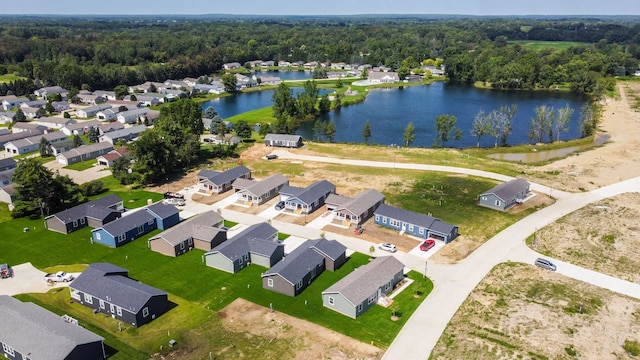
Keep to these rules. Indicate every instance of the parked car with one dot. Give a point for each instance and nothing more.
(60, 276)
(173, 195)
(387, 247)
(428, 244)
(5, 271)
(545, 264)
(358, 230)
(174, 201)
(280, 205)
(271, 157)
(208, 140)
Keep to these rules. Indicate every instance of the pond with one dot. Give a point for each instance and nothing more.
(545, 155)
(284, 74)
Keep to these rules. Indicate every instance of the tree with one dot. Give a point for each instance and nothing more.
(481, 126)
(507, 113)
(590, 115)
(121, 171)
(403, 72)
(77, 141)
(364, 73)
(66, 115)
(45, 147)
(19, 116)
(324, 106)
(41, 112)
(49, 108)
(121, 91)
(215, 123)
(561, 120)
(221, 128)
(446, 129)
(409, 134)
(94, 134)
(330, 130)
(229, 82)
(153, 156)
(185, 112)
(283, 102)
(210, 112)
(541, 123)
(366, 131)
(317, 129)
(339, 82)
(242, 129)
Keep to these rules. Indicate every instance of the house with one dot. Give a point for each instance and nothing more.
(354, 210)
(505, 195)
(226, 139)
(4, 131)
(83, 153)
(218, 182)
(191, 82)
(107, 288)
(209, 88)
(54, 122)
(60, 147)
(258, 244)
(27, 127)
(7, 168)
(108, 95)
(132, 116)
(94, 213)
(147, 87)
(306, 200)
(51, 90)
(125, 135)
(92, 110)
(380, 77)
(112, 126)
(128, 104)
(149, 99)
(303, 265)
(91, 99)
(267, 80)
(19, 135)
(231, 65)
(28, 331)
(251, 192)
(8, 194)
(31, 144)
(80, 128)
(414, 224)
(283, 140)
(110, 158)
(135, 224)
(311, 65)
(6, 117)
(37, 104)
(362, 288)
(60, 106)
(176, 84)
(203, 231)
(32, 113)
(243, 82)
(107, 115)
(10, 102)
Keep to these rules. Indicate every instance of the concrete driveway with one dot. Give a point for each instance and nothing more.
(27, 279)
(79, 177)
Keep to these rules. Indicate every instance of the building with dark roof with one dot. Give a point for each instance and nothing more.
(283, 140)
(107, 288)
(306, 200)
(83, 153)
(362, 288)
(28, 331)
(251, 192)
(94, 213)
(203, 231)
(303, 265)
(218, 182)
(505, 195)
(258, 244)
(355, 210)
(414, 224)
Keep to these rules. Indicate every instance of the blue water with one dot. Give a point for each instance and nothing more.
(285, 75)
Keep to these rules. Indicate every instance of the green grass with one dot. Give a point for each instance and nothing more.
(83, 165)
(258, 116)
(10, 77)
(538, 45)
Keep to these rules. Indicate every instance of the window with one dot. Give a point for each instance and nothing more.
(377, 218)
(82, 221)
(497, 202)
(387, 286)
(421, 231)
(182, 246)
(8, 349)
(299, 285)
(393, 222)
(270, 282)
(150, 222)
(145, 312)
(359, 307)
(75, 223)
(331, 300)
(410, 227)
(101, 304)
(372, 298)
(88, 299)
(140, 229)
(97, 235)
(119, 311)
(121, 238)
(484, 198)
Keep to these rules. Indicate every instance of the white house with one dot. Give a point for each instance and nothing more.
(91, 110)
(55, 122)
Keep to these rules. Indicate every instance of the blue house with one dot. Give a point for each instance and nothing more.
(306, 200)
(414, 224)
(136, 224)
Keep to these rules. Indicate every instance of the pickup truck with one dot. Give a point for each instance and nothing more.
(60, 276)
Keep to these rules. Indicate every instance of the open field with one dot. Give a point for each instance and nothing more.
(522, 312)
(602, 237)
(541, 45)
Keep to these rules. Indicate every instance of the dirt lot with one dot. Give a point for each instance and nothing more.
(602, 237)
(520, 311)
(312, 341)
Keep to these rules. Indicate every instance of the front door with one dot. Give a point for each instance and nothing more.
(112, 309)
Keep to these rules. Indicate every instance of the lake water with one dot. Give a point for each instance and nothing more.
(390, 110)
(285, 75)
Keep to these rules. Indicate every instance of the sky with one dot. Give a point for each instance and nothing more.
(326, 7)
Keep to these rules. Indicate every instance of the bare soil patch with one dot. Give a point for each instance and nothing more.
(309, 341)
(602, 236)
(520, 311)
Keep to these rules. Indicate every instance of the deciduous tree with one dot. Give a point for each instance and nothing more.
(409, 134)
(446, 129)
(366, 131)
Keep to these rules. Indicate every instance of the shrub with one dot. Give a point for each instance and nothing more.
(93, 187)
(632, 347)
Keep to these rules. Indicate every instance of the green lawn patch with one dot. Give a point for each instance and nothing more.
(539, 45)
(258, 116)
(83, 165)
(10, 77)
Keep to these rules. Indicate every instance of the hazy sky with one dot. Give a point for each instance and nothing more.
(326, 7)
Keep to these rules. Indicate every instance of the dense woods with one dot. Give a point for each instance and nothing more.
(103, 52)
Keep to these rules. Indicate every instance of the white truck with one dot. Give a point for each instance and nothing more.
(60, 276)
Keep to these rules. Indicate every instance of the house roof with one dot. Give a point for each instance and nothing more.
(19, 135)
(364, 281)
(282, 137)
(228, 175)
(256, 239)
(83, 125)
(201, 227)
(127, 222)
(206, 174)
(107, 282)
(56, 120)
(162, 210)
(105, 128)
(363, 201)
(39, 333)
(242, 183)
(134, 112)
(9, 189)
(86, 149)
(337, 200)
(297, 264)
(267, 184)
(329, 248)
(97, 209)
(95, 108)
(117, 134)
(314, 191)
(508, 190)
(52, 136)
(425, 221)
(8, 163)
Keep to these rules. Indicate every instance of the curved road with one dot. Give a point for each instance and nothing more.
(454, 283)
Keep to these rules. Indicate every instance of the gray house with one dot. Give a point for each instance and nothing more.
(80, 128)
(414, 224)
(94, 213)
(283, 140)
(360, 290)
(91, 110)
(354, 210)
(84, 152)
(251, 192)
(306, 200)
(257, 244)
(107, 288)
(218, 182)
(505, 195)
(28, 331)
(303, 265)
(203, 231)
(126, 134)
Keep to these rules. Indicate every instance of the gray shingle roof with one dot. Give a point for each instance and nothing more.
(337, 200)
(363, 201)
(97, 209)
(256, 238)
(314, 191)
(364, 281)
(425, 221)
(83, 125)
(290, 190)
(199, 227)
(509, 189)
(86, 149)
(204, 173)
(32, 330)
(162, 210)
(128, 222)
(329, 248)
(263, 186)
(243, 183)
(228, 175)
(282, 137)
(297, 264)
(122, 133)
(107, 282)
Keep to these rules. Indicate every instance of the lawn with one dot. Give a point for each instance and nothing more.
(10, 77)
(83, 165)
(538, 45)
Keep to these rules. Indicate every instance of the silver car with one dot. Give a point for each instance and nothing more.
(387, 247)
(545, 264)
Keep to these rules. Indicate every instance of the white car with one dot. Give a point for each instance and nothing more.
(387, 247)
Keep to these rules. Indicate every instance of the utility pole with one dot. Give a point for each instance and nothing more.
(425, 270)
